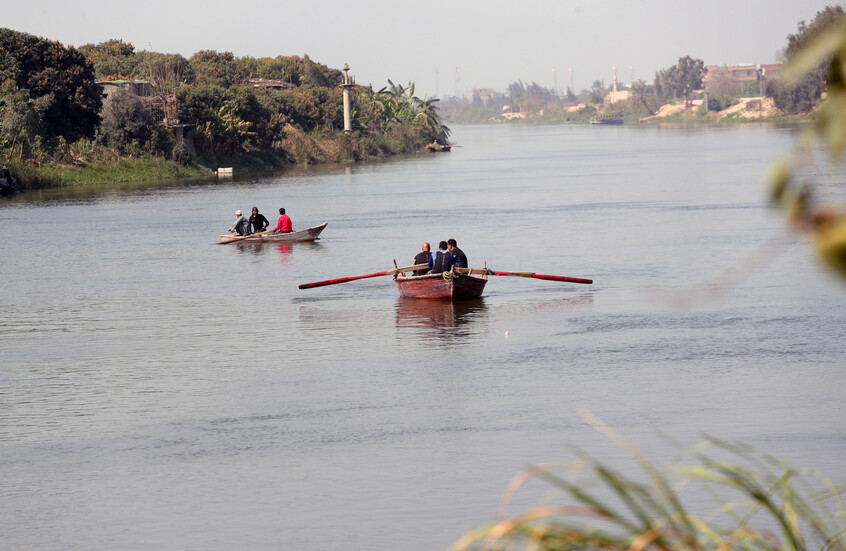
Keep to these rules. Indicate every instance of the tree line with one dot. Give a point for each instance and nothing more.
(281, 109)
(676, 84)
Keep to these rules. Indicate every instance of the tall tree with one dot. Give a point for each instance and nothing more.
(112, 59)
(680, 80)
(21, 117)
(166, 72)
(47, 69)
(212, 67)
(597, 92)
(639, 92)
(126, 120)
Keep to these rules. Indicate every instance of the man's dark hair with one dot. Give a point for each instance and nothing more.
(442, 245)
(282, 211)
(452, 242)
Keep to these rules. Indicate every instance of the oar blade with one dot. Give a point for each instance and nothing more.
(342, 280)
(543, 276)
(563, 278)
(363, 276)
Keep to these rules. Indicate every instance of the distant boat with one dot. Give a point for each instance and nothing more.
(607, 119)
(436, 147)
(309, 234)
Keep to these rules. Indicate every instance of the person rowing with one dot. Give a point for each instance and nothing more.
(284, 224)
(241, 225)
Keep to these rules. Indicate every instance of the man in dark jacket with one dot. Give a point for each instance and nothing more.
(457, 254)
(258, 223)
(442, 260)
(423, 257)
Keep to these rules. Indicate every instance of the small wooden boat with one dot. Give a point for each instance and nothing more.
(448, 285)
(437, 148)
(607, 119)
(309, 234)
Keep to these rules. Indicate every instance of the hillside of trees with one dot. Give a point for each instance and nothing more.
(212, 109)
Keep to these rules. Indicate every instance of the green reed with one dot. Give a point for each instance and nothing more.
(758, 504)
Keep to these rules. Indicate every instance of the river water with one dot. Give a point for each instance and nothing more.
(158, 391)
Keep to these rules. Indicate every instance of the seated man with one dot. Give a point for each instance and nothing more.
(442, 260)
(284, 224)
(423, 257)
(457, 254)
(258, 223)
(241, 225)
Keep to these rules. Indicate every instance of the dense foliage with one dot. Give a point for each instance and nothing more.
(804, 94)
(47, 89)
(210, 108)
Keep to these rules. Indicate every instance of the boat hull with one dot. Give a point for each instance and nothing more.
(451, 287)
(606, 120)
(309, 234)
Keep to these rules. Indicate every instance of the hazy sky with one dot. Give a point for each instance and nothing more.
(442, 46)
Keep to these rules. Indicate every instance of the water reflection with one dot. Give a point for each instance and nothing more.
(284, 250)
(442, 319)
(90, 192)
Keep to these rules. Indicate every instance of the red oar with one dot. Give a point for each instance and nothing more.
(364, 276)
(542, 276)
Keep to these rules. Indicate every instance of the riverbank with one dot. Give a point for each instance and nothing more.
(752, 109)
(101, 165)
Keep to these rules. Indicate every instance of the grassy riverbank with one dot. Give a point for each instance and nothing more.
(124, 170)
(101, 165)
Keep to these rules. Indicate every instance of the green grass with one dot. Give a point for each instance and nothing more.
(757, 503)
(125, 170)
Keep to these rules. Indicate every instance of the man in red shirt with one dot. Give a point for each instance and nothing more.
(284, 224)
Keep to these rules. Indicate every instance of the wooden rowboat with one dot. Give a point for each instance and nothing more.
(309, 234)
(448, 285)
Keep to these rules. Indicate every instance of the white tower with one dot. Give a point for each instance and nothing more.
(348, 83)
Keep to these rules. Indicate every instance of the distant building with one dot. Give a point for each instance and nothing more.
(266, 83)
(617, 95)
(739, 75)
(140, 88)
(485, 95)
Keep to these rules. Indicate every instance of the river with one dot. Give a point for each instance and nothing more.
(159, 391)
